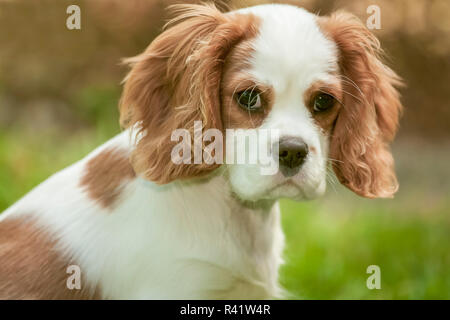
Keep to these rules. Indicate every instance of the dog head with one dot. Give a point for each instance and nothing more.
(317, 81)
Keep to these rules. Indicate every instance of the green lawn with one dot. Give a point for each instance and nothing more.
(328, 253)
(330, 242)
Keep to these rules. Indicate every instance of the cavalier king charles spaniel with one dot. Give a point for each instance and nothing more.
(128, 222)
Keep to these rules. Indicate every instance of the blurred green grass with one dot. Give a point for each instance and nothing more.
(327, 255)
(330, 241)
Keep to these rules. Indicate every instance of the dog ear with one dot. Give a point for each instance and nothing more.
(368, 120)
(175, 82)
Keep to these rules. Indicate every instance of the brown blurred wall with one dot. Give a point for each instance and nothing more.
(43, 64)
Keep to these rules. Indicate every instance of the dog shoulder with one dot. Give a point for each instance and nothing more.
(95, 181)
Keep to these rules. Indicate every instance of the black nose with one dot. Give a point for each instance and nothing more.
(292, 152)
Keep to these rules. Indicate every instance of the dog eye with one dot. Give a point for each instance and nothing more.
(249, 100)
(323, 102)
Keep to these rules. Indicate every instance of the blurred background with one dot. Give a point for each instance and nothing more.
(59, 90)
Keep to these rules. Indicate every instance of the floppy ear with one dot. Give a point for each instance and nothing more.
(369, 118)
(175, 82)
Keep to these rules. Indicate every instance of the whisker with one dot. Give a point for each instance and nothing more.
(249, 112)
(335, 160)
(341, 102)
(349, 80)
(346, 79)
(331, 178)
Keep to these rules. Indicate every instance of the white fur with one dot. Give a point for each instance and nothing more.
(161, 242)
(195, 239)
(290, 54)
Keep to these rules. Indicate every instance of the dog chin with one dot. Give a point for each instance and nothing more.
(270, 190)
(297, 192)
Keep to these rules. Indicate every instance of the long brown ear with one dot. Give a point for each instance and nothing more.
(369, 118)
(175, 82)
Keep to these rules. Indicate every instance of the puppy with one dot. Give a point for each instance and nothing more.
(128, 222)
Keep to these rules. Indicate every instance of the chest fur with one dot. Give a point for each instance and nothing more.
(168, 248)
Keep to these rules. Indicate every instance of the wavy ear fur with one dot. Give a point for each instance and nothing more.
(175, 82)
(368, 120)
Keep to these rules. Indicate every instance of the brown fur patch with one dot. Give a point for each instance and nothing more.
(235, 79)
(31, 267)
(325, 119)
(105, 175)
(368, 120)
(177, 81)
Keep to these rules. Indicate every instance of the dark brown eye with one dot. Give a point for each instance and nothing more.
(249, 100)
(323, 102)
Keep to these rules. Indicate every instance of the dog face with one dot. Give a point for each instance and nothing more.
(317, 81)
